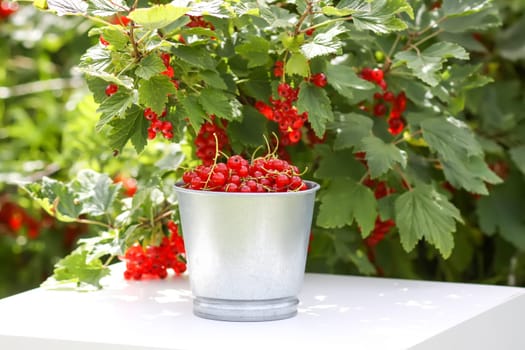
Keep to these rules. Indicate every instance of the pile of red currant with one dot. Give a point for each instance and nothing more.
(157, 125)
(282, 110)
(284, 113)
(386, 103)
(263, 174)
(210, 139)
(154, 261)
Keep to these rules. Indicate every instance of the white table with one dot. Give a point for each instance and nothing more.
(336, 312)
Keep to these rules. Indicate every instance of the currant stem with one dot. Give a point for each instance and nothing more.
(403, 177)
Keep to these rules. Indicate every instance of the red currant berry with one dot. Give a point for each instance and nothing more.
(169, 72)
(103, 41)
(389, 96)
(319, 80)
(218, 179)
(396, 126)
(379, 109)
(294, 136)
(231, 187)
(401, 101)
(278, 69)
(111, 89)
(377, 75)
(235, 162)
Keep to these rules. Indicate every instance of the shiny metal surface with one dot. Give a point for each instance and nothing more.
(248, 247)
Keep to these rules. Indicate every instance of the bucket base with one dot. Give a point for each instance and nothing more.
(245, 310)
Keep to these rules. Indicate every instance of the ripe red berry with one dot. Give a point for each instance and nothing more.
(169, 72)
(401, 101)
(165, 59)
(111, 89)
(377, 75)
(294, 136)
(396, 126)
(218, 179)
(389, 96)
(7, 8)
(379, 109)
(103, 41)
(265, 110)
(120, 20)
(234, 162)
(319, 79)
(278, 69)
(309, 31)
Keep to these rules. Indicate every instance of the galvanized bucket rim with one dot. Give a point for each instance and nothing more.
(312, 187)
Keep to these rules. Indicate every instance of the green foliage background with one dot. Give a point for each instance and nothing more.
(48, 121)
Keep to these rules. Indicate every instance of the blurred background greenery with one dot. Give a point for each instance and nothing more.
(47, 128)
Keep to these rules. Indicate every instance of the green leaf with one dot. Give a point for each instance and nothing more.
(214, 79)
(298, 64)
(469, 173)
(122, 80)
(153, 93)
(382, 156)
(97, 87)
(510, 43)
(338, 12)
(339, 164)
(343, 79)
(194, 110)
(67, 7)
(195, 56)
(379, 16)
(452, 8)
(133, 126)
(315, 101)
(345, 200)
(219, 103)
(502, 211)
(386, 207)
(427, 64)
(250, 130)
(351, 130)
(116, 37)
(460, 153)
(150, 66)
(324, 43)
(423, 212)
(106, 8)
(95, 191)
(450, 137)
(113, 106)
(517, 154)
(76, 268)
(255, 49)
(96, 59)
(55, 198)
(157, 16)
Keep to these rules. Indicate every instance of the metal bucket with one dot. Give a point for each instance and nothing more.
(246, 251)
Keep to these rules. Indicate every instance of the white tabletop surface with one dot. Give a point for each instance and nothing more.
(336, 312)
